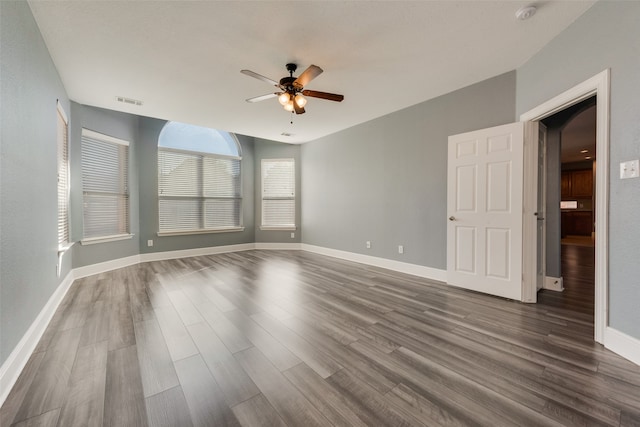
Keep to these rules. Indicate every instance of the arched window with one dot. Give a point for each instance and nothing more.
(199, 180)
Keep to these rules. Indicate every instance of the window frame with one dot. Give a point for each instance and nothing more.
(63, 186)
(281, 227)
(200, 170)
(107, 139)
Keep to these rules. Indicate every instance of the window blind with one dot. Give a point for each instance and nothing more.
(63, 178)
(105, 177)
(198, 191)
(278, 193)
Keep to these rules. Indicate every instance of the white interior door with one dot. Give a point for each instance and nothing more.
(485, 209)
(541, 212)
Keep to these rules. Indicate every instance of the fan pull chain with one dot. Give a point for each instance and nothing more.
(292, 117)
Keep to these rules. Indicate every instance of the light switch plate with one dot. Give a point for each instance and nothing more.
(630, 169)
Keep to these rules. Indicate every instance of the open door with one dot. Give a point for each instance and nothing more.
(485, 208)
(541, 209)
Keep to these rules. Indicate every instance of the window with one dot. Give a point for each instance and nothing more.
(105, 187)
(63, 178)
(199, 180)
(278, 194)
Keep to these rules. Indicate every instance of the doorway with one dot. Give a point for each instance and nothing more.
(570, 200)
(597, 86)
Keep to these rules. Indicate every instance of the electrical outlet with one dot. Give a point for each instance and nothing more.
(149, 243)
(400, 249)
(630, 169)
(293, 235)
(368, 244)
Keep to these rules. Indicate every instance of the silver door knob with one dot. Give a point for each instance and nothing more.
(452, 218)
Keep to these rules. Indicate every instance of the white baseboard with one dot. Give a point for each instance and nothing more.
(186, 253)
(622, 344)
(102, 267)
(402, 267)
(279, 246)
(553, 284)
(15, 363)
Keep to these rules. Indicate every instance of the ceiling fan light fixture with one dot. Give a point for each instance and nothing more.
(300, 100)
(283, 99)
(291, 94)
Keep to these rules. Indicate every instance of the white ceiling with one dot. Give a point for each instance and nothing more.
(183, 58)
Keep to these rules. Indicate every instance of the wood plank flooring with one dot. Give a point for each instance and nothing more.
(290, 338)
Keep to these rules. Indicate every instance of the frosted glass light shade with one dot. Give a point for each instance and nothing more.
(284, 98)
(300, 100)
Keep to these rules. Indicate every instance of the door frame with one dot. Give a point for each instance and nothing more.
(598, 85)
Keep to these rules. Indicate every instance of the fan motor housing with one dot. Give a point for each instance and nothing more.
(287, 82)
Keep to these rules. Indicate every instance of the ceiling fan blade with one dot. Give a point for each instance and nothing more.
(262, 97)
(323, 95)
(297, 108)
(309, 74)
(260, 77)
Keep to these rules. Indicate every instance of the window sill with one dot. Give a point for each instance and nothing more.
(64, 248)
(189, 232)
(278, 228)
(105, 239)
(61, 251)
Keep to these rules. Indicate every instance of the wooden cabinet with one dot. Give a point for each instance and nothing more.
(565, 185)
(582, 183)
(576, 184)
(577, 223)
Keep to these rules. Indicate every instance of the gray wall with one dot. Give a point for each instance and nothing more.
(118, 125)
(29, 88)
(147, 167)
(385, 180)
(266, 149)
(606, 36)
(552, 215)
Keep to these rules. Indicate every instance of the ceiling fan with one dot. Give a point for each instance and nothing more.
(291, 92)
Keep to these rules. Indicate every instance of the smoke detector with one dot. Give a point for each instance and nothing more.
(526, 12)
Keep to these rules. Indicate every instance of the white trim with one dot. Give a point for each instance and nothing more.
(202, 231)
(402, 267)
(529, 210)
(60, 109)
(597, 85)
(279, 246)
(186, 253)
(102, 137)
(15, 363)
(553, 284)
(105, 239)
(200, 153)
(278, 228)
(622, 344)
(102, 267)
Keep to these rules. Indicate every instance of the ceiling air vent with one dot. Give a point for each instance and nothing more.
(128, 100)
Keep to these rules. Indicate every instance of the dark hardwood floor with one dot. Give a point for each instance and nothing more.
(577, 264)
(290, 338)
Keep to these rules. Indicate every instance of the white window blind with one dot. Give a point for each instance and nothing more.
(278, 193)
(63, 178)
(105, 185)
(198, 192)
